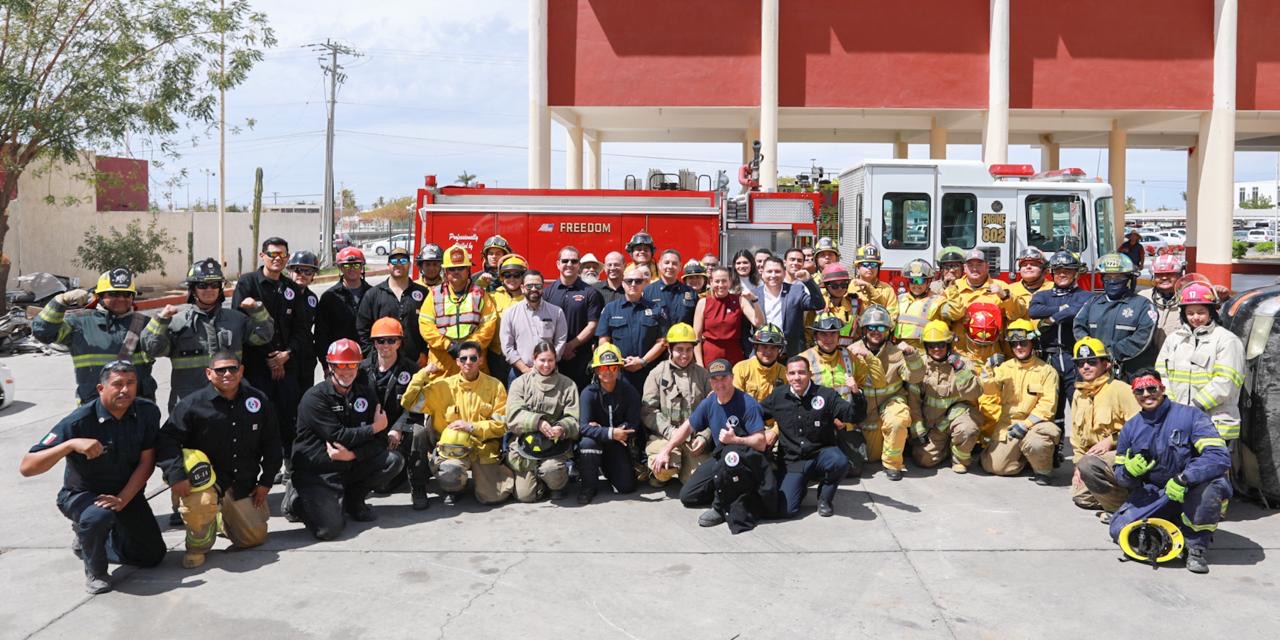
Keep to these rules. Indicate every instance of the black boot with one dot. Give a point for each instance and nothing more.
(1197, 560)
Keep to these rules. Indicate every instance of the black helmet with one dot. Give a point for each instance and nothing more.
(536, 446)
(640, 239)
(304, 259)
(1030, 253)
(431, 251)
(769, 334)
(207, 270)
(1065, 260)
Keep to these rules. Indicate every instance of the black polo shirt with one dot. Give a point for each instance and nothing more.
(123, 442)
(806, 423)
(580, 302)
(240, 437)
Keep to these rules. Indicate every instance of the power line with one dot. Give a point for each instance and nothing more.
(334, 71)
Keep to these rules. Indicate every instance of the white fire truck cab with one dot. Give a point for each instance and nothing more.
(914, 208)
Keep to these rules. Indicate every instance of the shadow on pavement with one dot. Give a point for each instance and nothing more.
(1234, 549)
(17, 407)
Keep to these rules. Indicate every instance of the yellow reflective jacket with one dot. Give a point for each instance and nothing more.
(1205, 368)
(1098, 410)
(836, 368)
(1015, 308)
(881, 293)
(913, 314)
(472, 316)
(482, 402)
(956, 302)
(757, 380)
(1028, 392)
(502, 299)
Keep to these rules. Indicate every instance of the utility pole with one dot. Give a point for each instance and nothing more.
(330, 51)
(222, 142)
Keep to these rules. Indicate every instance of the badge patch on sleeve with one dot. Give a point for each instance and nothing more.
(404, 377)
(49, 439)
(288, 294)
(417, 296)
(731, 459)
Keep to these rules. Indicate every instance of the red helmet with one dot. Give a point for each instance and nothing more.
(835, 272)
(985, 323)
(1197, 293)
(350, 254)
(344, 351)
(1166, 263)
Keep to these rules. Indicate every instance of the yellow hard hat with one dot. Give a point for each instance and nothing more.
(1089, 348)
(1020, 329)
(199, 469)
(606, 355)
(513, 262)
(119, 279)
(455, 444)
(1153, 540)
(457, 256)
(681, 332)
(936, 331)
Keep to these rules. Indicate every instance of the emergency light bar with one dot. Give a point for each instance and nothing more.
(1012, 170)
(1070, 174)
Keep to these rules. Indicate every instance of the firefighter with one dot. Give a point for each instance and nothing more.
(888, 416)
(867, 285)
(641, 250)
(388, 371)
(950, 269)
(1027, 388)
(231, 428)
(830, 365)
(397, 297)
(430, 270)
(339, 308)
(835, 292)
(509, 291)
(1203, 363)
(582, 305)
(677, 300)
(467, 413)
(977, 286)
(672, 391)
(542, 416)
(636, 326)
(1174, 450)
(338, 458)
(190, 333)
(758, 375)
(825, 252)
(302, 269)
(495, 249)
(1031, 264)
(456, 312)
(695, 277)
(1121, 319)
(1101, 406)
(811, 419)
(1165, 271)
(1056, 308)
(918, 305)
(611, 432)
(944, 404)
(112, 331)
(109, 444)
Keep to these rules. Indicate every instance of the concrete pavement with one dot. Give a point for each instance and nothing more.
(935, 556)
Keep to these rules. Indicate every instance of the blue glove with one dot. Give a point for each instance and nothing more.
(1176, 491)
(1017, 430)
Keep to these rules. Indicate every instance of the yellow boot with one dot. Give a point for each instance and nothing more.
(192, 560)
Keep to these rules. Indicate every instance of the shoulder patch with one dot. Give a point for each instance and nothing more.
(311, 301)
(253, 405)
(404, 377)
(417, 296)
(731, 459)
(49, 439)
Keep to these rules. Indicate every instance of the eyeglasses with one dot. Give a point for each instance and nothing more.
(533, 287)
(1147, 391)
(303, 272)
(391, 340)
(457, 269)
(634, 281)
(568, 261)
(398, 260)
(345, 366)
(467, 358)
(276, 255)
(208, 285)
(1092, 362)
(348, 266)
(227, 370)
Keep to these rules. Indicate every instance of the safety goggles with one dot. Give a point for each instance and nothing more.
(390, 340)
(467, 358)
(1017, 336)
(205, 286)
(1092, 362)
(227, 370)
(1148, 391)
(398, 260)
(348, 266)
(878, 328)
(344, 366)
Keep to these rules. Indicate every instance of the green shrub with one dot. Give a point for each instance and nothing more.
(1238, 249)
(137, 249)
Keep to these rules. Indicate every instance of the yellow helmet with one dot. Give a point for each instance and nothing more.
(455, 443)
(1152, 540)
(1089, 348)
(199, 469)
(606, 355)
(936, 331)
(119, 279)
(513, 262)
(1020, 329)
(680, 332)
(457, 256)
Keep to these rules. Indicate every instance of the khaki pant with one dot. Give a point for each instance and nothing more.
(492, 483)
(244, 524)
(958, 439)
(1009, 457)
(1099, 489)
(531, 486)
(887, 437)
(683, 460)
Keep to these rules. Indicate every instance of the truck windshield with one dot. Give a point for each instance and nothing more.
(906, 221)
(1105, 216)
(1055, 222)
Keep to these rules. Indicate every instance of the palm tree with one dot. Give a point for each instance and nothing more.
(466, 178)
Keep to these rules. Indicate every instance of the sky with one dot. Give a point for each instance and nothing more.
(441, 87)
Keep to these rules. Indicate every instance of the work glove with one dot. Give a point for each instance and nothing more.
(920, 433)
(74, 298)
(1137, 465)
(956, 362)
(1175, 489)
(1017, 430)
(995, 360)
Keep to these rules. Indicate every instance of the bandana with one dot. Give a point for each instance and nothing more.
(1146, 381)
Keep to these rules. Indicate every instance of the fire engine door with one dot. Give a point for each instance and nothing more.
(1053, 221)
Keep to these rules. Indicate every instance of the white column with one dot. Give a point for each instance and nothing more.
(593, 160)
(539, 113)
(769, 94)
(1050, 152)
(1193, 192)
(937, 141)
(900, 149)
(1215, 197)
(1117, 141)
(573, 159)
(995, 125)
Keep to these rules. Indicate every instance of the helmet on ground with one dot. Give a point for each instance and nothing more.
(1151, 540)
(344, 351)
(497, 242)
(950, 254)
(207, 270)
(536, 446)
(431, 251)
(608, 355)
(1031, 254)
(769, 334)
(876, 316)
(919, 268)
(350, 255)
(1089, 347)
(1065, 260)
(1166, 263)
(936, 331)
(1020, 329)
(387, 328)
(455, 443)
(119, 279)
(824, 245)
(678, 333)
(835, 272)
(304, 259)
(457, 256)
(640, 239)
(985, 323)
(694, 269)
(199, 469)
(1116, 263)
(867, 253)
(513, 262)
(826, 322)
(1197, 293)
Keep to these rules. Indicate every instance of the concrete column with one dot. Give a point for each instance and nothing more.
(593, 160)
(769, 94)
(1050, 153)
(995, 125)
(1193, 191)
(900, 150)
(539, 113)
(573, 159)
(1116, 147)
(1215, 198)
(937, 141)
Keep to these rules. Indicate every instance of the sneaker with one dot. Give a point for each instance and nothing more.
(893, 474)
(825, 509)
(450, 499)
(1042, 480)
(192, 560)
(420, 500)
(710, 518)
(1104, 517)
(959, 468)
(1197, 560)
(96, 584)
(557, 494)
(585, 496)
(75, 546)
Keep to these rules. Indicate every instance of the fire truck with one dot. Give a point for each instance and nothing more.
(539, 222)
(913, 208)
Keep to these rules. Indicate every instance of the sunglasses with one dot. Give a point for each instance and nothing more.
(634, 281)
(868, 265)
(227, 370)
(398, 260)
(275, 255)
(568, 261)
(391, 340)
(1016, 341)
(351, 265)
(345, 366)
(303, 272)
(467, 358)
(609, 367)
(936, 345)
(512, 274)
(204, 286)
(1092, 362)
(837, 285)
(118, 294)
(918, 280)
(1147, 391)
(457, 269)
(877, 328)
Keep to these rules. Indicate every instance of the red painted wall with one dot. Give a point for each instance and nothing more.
(122, 184)
(1258, 55)
(1103, 54)
(655, 52)
(877, 54)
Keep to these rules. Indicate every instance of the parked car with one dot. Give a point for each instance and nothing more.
(1174, 236)
(384, 246)
(1153, 244)
(342, 241)
(1240, 235)
(1255, 236)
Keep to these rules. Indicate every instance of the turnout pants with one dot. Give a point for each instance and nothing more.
(322, 499)
(610, 455)
(958, 439)
(127, 536)
(418, 463)
(1011, 456)
(887, 436)
(244, 524)
(492, 483)
(828, 468)
(1197, 515)
(542, 475)
(1099, 489)
(683, 460)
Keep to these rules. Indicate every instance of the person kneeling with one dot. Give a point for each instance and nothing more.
(610, 426)
(542, 416)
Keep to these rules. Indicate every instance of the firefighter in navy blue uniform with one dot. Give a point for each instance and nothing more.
(339, 304)
(396, 297)
(338, 458)
(636, 326)
(810, 420)
(1056, 310)
(109, 444)
(1174, 463)
(389, 372)
(1121, 319)
(669, 293)
(610, 427)
(112, 331)
(303, 266)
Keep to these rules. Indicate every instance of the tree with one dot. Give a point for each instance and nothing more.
(349, 201)
(397, 209)
(1257, 202)
(1130, 204)
(141, 251)
(465, 179)
(84, 74)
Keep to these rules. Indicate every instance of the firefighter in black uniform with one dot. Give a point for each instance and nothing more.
(339, 304)
(388, 371)
(396, 297)
(303, 266)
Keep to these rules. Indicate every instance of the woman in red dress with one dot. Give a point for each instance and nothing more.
(718, 320)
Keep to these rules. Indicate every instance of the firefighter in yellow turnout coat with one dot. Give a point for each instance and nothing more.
(888, 416)
(456, 312)
(1028, 391)
(944, 405)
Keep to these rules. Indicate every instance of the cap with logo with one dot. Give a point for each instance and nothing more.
(720, 367)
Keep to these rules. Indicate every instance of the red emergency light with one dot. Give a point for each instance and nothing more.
(1070, 174)
(1012, 170)
(431, 181)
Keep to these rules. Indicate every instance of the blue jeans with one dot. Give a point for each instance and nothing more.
(828, 467)
(128, 536)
